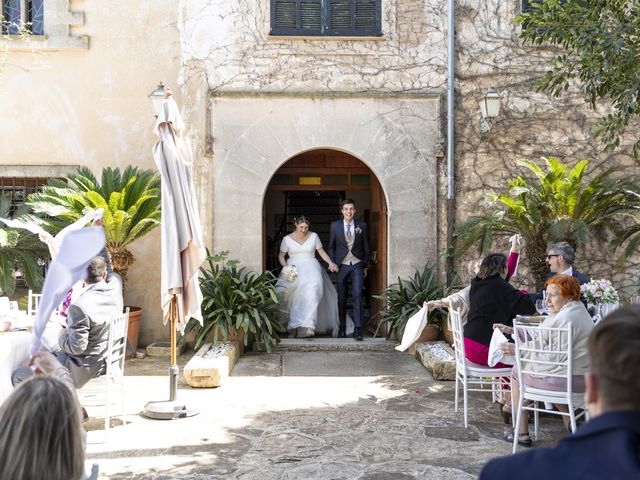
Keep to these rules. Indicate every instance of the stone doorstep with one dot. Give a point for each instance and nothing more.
(329, 344)
(211, 364)
(438, 358)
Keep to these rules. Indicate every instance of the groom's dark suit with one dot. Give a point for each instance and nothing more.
(339, 250)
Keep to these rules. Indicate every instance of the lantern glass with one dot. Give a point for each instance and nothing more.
(157, 97)
(490, 104)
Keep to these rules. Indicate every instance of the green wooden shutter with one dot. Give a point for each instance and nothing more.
(354, 17)
(296, 17)
(326, 17)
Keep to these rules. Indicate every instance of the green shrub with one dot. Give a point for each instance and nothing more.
(235, 299)
(405, 298)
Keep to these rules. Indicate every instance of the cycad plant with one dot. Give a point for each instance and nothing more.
(403, 299)
(131, 202)
(554, 204)
(20, 251)
(236, 299)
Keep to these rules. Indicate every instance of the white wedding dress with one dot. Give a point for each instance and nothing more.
(311, 300)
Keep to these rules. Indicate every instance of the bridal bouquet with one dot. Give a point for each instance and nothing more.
(289, 273)
(599, 291)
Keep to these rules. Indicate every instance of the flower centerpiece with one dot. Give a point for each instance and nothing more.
(290, 273)
(599, 291)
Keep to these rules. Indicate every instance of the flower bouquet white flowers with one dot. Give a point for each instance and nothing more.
(599, 291)
(290, 273)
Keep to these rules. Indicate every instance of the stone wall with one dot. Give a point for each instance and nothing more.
(63, 107)
(531, 125)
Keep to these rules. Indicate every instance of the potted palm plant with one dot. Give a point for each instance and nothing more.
(403, 299)
(131, 203)
(20, 251)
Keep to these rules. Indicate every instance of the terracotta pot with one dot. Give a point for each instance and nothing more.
(448, 336)
(133, 330)
(429, 334)
(237, 337)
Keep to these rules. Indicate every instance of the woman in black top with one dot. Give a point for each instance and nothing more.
(491, 300)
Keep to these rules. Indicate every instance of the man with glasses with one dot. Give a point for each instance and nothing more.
(560, 260)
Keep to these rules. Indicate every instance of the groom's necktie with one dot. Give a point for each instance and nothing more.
(349, 232)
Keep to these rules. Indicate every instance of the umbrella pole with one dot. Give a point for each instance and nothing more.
(172, 409)
(173, 367)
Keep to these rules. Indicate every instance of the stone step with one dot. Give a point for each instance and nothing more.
(329, 344)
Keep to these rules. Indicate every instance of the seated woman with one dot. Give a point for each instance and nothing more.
(310, 300)
(565, 307)
(491, 300)
(460, 300)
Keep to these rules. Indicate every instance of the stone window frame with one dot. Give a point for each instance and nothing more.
(58, 20)
(324, 30)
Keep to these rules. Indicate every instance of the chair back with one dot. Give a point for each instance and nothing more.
(33, 303)
(117, 345)
(458, 338)
(544, 352)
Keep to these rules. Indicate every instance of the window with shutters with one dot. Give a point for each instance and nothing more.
(326, 17)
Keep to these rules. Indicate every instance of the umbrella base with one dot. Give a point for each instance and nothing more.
(168, 410)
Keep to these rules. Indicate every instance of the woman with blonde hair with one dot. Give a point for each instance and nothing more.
(41, 434)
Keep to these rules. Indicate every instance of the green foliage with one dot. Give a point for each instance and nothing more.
(131, 202)
(19, 250)
(405, 298)
(599, 48)
(236, 299)
(555, 204)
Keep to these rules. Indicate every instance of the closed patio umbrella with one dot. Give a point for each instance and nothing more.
(182, 248)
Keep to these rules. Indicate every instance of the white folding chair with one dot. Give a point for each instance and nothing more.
(33, 303)
(473, 377)
(113, 379)
(541, 348)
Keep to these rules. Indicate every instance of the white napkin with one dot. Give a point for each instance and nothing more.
(495, 354)
(413, 329)
(77, 249)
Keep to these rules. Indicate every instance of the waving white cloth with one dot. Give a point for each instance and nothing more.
(495, 354)
(54, 242)
(77, 249)
(413, 329)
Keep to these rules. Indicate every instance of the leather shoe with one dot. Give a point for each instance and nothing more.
(342, 334)
(357, 334)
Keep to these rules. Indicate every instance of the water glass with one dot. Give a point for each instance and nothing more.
(541, 306)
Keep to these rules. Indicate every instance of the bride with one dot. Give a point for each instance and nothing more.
(310, 299)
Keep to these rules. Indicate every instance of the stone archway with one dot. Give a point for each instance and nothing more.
(396, 137)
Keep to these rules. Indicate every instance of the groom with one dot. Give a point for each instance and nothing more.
(349, 249)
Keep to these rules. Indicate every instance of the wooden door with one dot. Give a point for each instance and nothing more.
(378, 245)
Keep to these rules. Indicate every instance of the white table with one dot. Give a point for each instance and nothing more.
(14, 351)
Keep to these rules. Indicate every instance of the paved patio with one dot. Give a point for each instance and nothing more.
(367, 415)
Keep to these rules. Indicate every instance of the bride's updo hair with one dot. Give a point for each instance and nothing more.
(301, 219)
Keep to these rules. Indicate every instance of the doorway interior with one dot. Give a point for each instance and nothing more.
(314, 183)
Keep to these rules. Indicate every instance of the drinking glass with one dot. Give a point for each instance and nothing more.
(541, 306)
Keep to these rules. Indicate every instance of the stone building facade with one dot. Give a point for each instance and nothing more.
(263, 107)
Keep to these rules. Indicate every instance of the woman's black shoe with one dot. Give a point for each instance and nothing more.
(524, 440)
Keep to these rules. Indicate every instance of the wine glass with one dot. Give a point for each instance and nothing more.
(541, 306)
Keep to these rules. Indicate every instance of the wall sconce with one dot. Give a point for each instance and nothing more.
(157, 97)
(489, 108)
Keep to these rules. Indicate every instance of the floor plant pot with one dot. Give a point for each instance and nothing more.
(133, 330)
(429, 334)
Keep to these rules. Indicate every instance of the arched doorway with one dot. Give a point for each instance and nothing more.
(314, 183)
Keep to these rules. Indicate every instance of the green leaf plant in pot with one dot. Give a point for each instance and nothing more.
(131, 203)
(237, 303)
(21, 252)
(403, 299)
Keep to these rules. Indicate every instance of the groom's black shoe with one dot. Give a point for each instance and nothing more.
(342, 334)
(357, 334)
